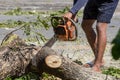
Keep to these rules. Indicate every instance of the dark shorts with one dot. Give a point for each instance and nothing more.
(101, 10)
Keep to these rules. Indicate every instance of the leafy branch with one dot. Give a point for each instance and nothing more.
(116, 47)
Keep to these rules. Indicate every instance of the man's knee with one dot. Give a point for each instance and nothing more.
(101, 26)
(87, 24)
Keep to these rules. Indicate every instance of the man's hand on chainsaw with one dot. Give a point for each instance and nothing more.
(68, 15)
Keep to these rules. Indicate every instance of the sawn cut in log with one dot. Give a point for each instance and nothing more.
(18, 58)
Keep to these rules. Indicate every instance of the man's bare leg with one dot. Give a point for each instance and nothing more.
(90, 34)
(95, 41)
(101, 44)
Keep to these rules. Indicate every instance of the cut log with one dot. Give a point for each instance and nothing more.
(17, 58)
(67, 70)
(53, 61)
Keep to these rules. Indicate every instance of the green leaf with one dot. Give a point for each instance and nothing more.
(116, 47)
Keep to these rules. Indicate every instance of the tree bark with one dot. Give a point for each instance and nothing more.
(17, 59)
(68, 70)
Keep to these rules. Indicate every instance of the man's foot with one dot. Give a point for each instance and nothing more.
(91, 64)
(97, 68)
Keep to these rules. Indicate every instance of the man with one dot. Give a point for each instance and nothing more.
(100, 11)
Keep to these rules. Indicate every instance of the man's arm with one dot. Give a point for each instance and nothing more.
(78, 4)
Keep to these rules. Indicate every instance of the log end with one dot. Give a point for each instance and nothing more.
(53, 61)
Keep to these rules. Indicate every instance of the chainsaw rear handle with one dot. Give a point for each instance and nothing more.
(62, 22)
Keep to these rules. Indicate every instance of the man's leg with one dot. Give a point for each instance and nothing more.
(90, 34)
(105, 13)
(89, 17)
(101, 44)
(97, 42)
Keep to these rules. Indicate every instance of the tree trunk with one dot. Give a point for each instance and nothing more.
(17, 58)
(63, 67)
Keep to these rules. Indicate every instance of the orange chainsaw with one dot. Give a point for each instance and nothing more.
(64, 29)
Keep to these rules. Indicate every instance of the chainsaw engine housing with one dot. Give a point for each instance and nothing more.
(64, 28)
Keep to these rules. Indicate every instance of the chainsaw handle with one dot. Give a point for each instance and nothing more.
(71, 20)
(64, 23)
(74, 23)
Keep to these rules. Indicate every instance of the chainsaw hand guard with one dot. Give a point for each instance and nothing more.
(64, 28)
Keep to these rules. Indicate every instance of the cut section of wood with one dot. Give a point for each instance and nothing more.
(53, 61)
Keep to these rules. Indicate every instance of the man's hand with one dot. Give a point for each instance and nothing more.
(68, 15)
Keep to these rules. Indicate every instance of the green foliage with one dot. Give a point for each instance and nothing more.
(9, 39)
(19, 11)
(48, 77)
(112, 71)
(16, 11)
(66, 9)
(33, 76)
(43, 22)
(28, 76)
(10, 24)
(60, 12)
(116, 47)
(30, 28)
